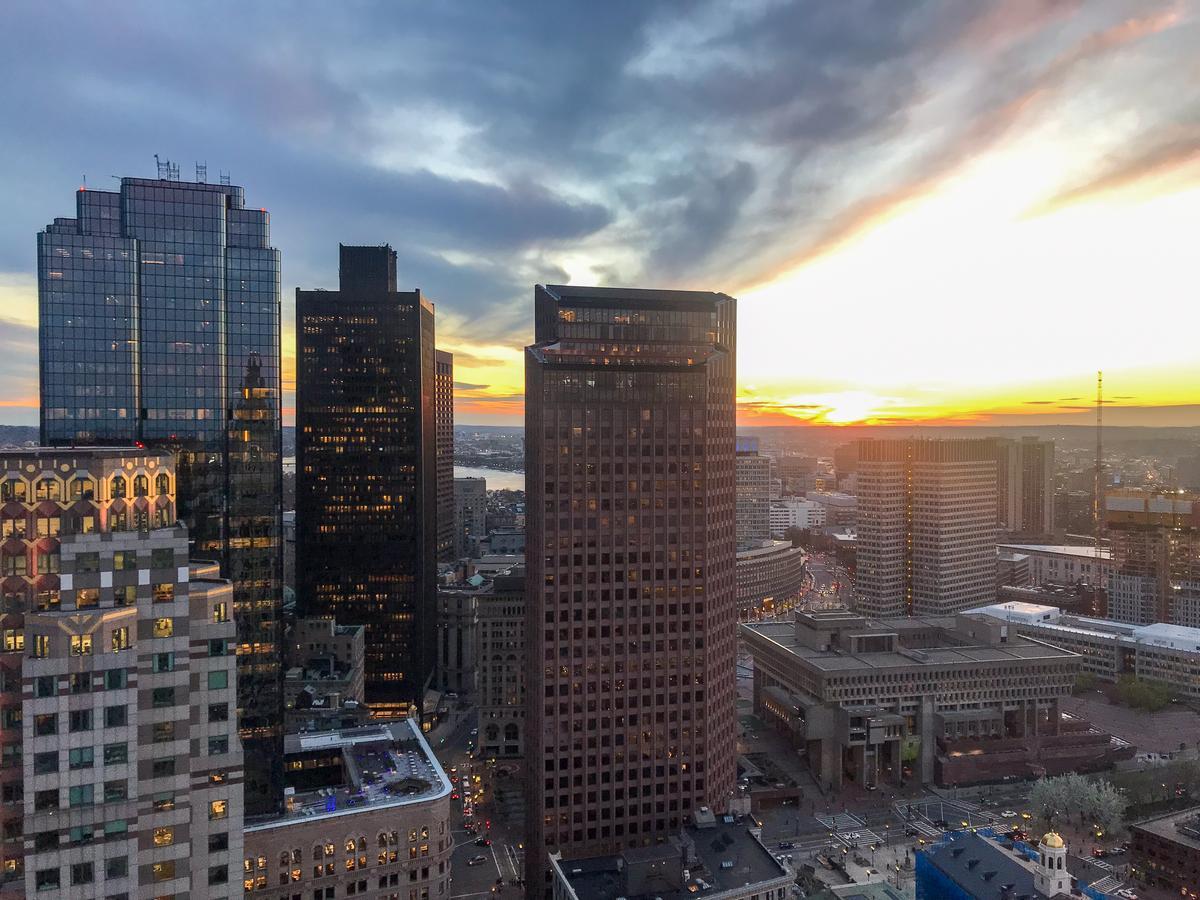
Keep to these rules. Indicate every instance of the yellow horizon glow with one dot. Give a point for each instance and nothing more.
(971, 301)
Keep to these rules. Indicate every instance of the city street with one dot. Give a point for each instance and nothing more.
(824, 574)
(498, 864)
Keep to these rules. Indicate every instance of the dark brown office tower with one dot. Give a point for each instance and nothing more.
(444, 392)
(631, 613)
(366, 486)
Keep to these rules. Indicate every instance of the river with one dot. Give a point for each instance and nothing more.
(496, 479)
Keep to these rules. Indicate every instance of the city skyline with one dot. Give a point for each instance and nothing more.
(1015, 174)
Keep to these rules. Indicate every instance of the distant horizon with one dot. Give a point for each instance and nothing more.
(939, 213)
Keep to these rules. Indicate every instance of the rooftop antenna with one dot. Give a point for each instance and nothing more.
(1098, 486)
(201, 173)
(167, 170)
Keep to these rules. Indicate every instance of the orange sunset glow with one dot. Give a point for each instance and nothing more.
(929, 213)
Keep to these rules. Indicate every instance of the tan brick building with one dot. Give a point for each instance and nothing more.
(367, 816)
(124, 722)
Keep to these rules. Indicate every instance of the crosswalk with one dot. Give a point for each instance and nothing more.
(864, 838)
(1107, 885)
(512, 857)
(924, 829)
(841, 822)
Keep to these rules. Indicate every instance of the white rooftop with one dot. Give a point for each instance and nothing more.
(1058, 549)
(1160, 634)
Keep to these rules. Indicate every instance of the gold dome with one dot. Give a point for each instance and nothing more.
(1050, 839)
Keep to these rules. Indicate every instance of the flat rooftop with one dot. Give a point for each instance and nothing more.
(1016, 650)
(382, 766)
(1053, 619)
(1180, 827)
(600, 878)
(1059, 550)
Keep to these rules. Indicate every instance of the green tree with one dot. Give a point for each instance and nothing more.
(1084, 681)
(800, 537)
(1143, 694)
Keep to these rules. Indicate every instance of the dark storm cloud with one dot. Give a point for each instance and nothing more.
(667, 142)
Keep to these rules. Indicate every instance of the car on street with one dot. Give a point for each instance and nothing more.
(1127, 894)
(477, 860)
(1008, 814)
(787, 845)
(483, 842)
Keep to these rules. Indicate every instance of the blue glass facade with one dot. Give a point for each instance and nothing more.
(160, 323)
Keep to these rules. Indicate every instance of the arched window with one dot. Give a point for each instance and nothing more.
(382, 839)
(362, 844)
(350, 845)
(141, 486)
(118, 486)
(510, 732)
(317, 853)
(162, 483)
(493, 732)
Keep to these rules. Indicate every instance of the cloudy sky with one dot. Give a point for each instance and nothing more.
(946, 211)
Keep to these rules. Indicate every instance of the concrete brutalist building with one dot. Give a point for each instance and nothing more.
(951, 699)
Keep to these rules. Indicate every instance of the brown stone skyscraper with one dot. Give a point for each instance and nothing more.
(631, 615)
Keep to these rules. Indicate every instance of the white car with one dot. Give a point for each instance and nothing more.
(1008, 814)
(1127, 894)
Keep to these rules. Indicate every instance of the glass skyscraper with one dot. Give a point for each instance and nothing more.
(159, 325)
(366, 473)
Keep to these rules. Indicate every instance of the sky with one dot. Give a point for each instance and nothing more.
(929, 211)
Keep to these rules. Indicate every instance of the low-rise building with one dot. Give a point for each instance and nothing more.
(964, 864)
(1063, 563)
(841, 509)
(1161, 652)
(1079, 599)
(367, 815)
(1165, 852)
(951, 699)
(504, 541)
(323, 682)
(770, 578)
(1012, 568)
(714, 860)
(795, 513)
